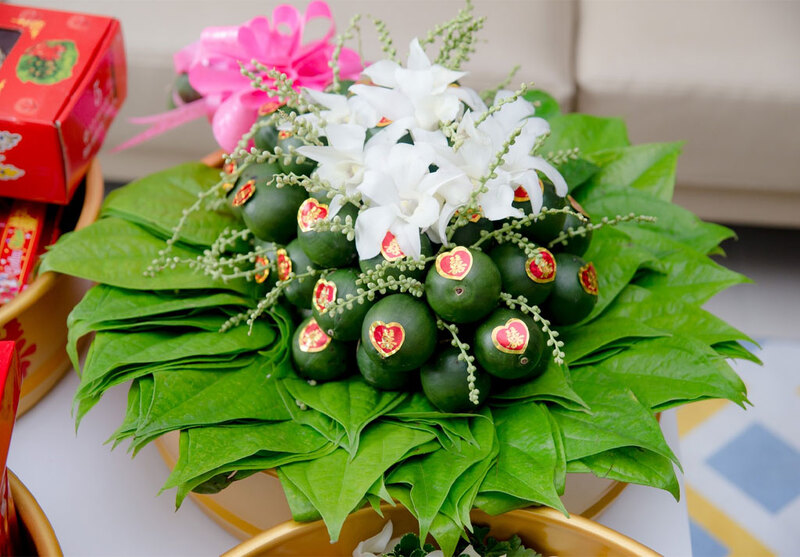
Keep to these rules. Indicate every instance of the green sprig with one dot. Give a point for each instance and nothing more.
(522, 303)
(464, 356)
(587, 227)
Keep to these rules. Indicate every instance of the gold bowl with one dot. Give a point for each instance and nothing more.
(37, 319)
(37, 535)
(546, 530)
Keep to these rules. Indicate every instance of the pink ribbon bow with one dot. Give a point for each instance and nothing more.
(228, 98)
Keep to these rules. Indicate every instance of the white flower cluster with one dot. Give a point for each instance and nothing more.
(409, 177)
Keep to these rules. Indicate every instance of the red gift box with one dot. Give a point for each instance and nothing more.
(62, 80)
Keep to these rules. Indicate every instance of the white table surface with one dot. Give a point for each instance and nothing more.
(103, 503)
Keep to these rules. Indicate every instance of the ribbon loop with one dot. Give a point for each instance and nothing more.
(229, 100)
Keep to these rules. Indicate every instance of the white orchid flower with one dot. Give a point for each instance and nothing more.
(341, 163)
(421, 91)
(400, 192)
(341, 109)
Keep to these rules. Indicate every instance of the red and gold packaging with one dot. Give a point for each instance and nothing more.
(62, 82)
(20, 246)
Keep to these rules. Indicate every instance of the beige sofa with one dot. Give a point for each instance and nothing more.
(723, 75)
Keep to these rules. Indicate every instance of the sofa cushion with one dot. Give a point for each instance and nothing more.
(722, 75)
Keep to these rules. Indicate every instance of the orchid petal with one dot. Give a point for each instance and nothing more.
(371, 227)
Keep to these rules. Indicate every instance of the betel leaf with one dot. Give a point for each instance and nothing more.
(157, 202)
(351, 402)
(112, 350)
(528, 459)
(106, 303)
(128, 426)
(116, 252)
(195, 398)
(546, 106)
(662, 311)
(301, 507)
(672, 222)
(586, 133)
(337, 483)
(494, 502)
(631, 465)
(432, 476)
(208, 448)
(601, 332)
(552, 386)
(561, 454)
(648, 168)
(616, 418)
(664, 371)
(690, 276)
(322, 424)
(577, 171)
(735, 350)
(616, 258)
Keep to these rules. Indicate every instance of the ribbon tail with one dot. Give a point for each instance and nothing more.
(161, 123)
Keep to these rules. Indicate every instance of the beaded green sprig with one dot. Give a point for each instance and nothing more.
(381, 285)
(552, 335)
(587, 226)
(464, 356)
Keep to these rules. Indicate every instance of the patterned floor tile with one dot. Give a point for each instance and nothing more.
(704, 544)
(761, 465)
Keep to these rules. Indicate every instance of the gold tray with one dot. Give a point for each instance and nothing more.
(546, 530)
(37, 318)
(38, 537)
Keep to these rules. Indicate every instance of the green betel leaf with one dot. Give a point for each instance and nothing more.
(302, 508)
(588, 133)
(602, 332)
(208, 448)
(662, 311)
(616, 259)
(616, 418)
(116, 252)
(196, 398)
(667, 371)
(432, 476)
(112, 351)
(351, 402)
(528, 458)
(631, 465)
(649, 168)
(157, 202)
(106, 303)
(735, 350)
(336, 484)
(447, 533)
(552, 386)
(494, 502)
(674, 222)
(128, 426)
(689, 276)
(546, 106)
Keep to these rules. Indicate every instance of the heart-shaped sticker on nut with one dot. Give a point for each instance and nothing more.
(313, 339)
(245, 193)
(310, 211)
(324, 294)
(386, 338)
(454, 264)
(588, 279)
(541, 267)
(511, 338)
